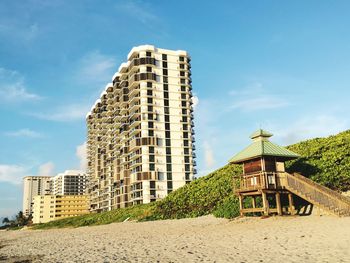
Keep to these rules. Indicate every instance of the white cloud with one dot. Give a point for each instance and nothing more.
(13, 89)
(260, 102)
(24, 133)
(195, 101)
(137, 10)
(12, 173)
(254, 97)
(65, 113)
(81, 153)
(208, 155)
(309, 127)
(47, 169)
(95, 68)
(18, 32)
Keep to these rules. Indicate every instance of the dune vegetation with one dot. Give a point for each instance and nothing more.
(324, 160)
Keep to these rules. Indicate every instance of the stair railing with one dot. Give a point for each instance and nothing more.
(329, 199)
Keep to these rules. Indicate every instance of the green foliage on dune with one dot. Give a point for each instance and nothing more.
(324, 160)
(200, 197)
(118, 215)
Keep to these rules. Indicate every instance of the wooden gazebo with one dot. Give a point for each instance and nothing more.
(263, 175)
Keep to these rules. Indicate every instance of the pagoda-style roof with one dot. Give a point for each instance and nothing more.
(261, 146)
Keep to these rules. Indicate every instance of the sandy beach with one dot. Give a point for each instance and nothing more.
(204, 239)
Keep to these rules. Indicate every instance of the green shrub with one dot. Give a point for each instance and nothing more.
(324, 160)
(200, 197)
(228, 208)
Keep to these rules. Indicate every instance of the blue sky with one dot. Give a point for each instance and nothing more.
(283, 66)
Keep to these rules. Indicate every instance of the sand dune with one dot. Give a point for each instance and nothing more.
(205, 239)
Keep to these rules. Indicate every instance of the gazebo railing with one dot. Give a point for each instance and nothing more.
(261, 180)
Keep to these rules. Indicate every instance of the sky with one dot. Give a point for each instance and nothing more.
(278, 65)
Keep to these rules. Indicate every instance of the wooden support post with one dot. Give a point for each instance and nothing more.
(265, 204)
(240, 205)
(291, 204)
(278, 203)
(253, 202)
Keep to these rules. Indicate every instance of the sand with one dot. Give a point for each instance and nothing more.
(204, 239)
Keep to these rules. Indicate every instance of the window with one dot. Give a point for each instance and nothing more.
(151, 167)
(166, 87)
(165, 64)
(165, 72)
(159, 142)
(170, 184)
(164, 57)
(149, 84)
(166, 103)
(181, 59)
(168, 167)
(182, 73)
(150, 133)
(160, 176)
(167, 119)
(149, 100)
(168, 159)
(150, 108)
(151, 158)
(149, 93)
(148, 54)
(167, 133)
(167, 142)
(165, 79)
(166, 95)
(149, 69)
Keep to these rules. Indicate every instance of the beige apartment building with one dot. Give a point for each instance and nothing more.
(140, 131)
(32, 186)
(51, 207)
(70, 182)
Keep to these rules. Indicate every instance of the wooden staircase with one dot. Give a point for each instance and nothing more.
(316, 194)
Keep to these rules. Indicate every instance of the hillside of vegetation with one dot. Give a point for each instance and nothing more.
(325, 160)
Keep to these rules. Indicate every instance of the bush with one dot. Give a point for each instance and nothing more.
(228, 208)
(200, 197)
(324, 160)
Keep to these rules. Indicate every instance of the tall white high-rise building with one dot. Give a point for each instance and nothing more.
(140, 130)
(32, 186)
(71, 182)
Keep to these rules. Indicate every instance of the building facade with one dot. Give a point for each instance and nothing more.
(32, 186)
(51, 207)
(140, 131)
(71, 182)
